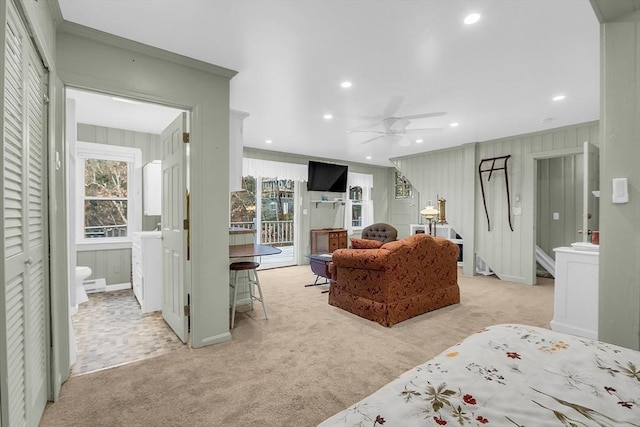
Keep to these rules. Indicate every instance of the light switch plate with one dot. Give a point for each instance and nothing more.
(556, 216)
(620, 191)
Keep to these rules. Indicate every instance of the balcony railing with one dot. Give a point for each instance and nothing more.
(105, 231)
(278, 233)
(247, 225)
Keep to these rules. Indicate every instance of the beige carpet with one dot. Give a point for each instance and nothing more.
(307, 362)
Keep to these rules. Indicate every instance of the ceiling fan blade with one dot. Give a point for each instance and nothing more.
(372, 139)
(421, 130)
(393, 105)
(367, 131)
(424, 116)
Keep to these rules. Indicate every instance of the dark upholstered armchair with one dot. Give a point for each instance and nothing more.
(381, 232)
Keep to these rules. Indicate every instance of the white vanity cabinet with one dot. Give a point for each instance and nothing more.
(146, 269)
(575, 307)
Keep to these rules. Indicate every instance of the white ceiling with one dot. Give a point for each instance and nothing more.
(495, 78)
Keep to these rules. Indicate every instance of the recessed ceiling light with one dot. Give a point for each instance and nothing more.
(419, 140)
(368, 157)
(328, 116)
(346, 84)
(472, 19)
(454, 124)
(559, 97)
(268, 141)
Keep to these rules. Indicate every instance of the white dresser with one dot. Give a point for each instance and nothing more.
(146, 269)
(575, 306)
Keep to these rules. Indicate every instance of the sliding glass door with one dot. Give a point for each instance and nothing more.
(268, 206)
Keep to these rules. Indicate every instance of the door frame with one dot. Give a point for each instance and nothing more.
(258, 219)
(529, 220)
(93, 60)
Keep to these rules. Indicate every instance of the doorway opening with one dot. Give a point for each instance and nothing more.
(567, 208)
(110, 141)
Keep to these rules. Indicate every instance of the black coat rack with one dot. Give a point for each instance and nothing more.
(497, 164)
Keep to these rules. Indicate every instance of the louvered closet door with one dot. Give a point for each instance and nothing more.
(25, 362)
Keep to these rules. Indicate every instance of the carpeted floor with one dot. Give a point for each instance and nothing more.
(307, 362)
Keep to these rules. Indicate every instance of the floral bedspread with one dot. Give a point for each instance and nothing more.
(510, 375)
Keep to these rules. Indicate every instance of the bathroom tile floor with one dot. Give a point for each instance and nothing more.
(111, 330)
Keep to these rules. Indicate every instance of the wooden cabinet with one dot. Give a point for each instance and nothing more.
(327, 240)
(146, 269)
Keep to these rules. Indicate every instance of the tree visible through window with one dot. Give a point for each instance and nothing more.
(243, 204)
(105, 198)
(108, 192)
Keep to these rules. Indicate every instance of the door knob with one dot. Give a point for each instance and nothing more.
(28, 261)
(588, 232)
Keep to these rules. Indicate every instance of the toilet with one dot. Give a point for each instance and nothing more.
(82, 273)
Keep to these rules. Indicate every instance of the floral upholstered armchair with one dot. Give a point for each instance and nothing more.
(400, 280)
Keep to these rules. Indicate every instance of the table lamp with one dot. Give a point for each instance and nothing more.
(429, 213)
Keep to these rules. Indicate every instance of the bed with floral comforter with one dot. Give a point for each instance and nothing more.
(510, 375)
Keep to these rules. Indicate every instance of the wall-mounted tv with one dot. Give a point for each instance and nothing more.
(327, 177)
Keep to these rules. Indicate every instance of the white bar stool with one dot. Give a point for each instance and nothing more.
(250, 268)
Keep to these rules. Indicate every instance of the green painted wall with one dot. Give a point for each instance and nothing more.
(453, 174)
(93, 60)
(619, 315)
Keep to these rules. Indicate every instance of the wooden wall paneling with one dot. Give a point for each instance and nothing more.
(119, 266)
(501, 248)
(619, 293)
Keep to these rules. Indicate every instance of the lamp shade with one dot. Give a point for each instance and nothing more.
(429, 212)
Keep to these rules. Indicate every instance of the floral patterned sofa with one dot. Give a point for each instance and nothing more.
(397, 281)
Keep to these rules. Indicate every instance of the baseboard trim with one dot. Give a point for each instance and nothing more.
(514, 279)
(118, 287)
(216, 339)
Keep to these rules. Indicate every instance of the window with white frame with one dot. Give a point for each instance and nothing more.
(108, 188)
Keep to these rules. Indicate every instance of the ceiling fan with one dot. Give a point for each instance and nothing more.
(396, 129)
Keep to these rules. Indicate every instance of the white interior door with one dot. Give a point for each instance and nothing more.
(24, 363)
(590, 203)
(174, 237)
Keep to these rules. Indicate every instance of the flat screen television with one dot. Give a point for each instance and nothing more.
(327, 177)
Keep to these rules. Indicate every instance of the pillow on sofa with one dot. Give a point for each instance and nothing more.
(365, 244)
